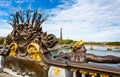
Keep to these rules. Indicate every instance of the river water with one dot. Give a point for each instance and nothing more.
(98, 50)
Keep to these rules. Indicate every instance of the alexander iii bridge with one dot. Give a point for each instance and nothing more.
(84, 69)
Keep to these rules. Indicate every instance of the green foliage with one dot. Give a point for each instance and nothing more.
(69, 41)
(1, 41)
(103, 43)
(65, 41)
(113, 43)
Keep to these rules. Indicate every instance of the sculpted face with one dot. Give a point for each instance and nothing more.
(80, 48)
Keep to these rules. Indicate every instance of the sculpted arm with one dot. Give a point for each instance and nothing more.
(102, 59)
(63, 55)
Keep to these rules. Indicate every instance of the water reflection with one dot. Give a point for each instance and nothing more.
(98, 50)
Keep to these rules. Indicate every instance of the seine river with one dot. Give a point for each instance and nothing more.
(98, 50)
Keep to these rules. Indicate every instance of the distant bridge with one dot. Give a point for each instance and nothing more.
(108, 47)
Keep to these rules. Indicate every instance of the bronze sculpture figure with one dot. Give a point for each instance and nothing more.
(79, 54)
(25, 32)
(26, 41)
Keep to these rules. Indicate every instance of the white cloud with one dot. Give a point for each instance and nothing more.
(2, 13)
(5, 3)
(90, 20)
(5, 32)
(19, 1)
(22, 1)
(5, 28)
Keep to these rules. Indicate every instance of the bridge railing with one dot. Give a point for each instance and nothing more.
(84, 69)
(93, 70)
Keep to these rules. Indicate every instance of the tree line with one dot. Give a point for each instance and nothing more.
(69, 41)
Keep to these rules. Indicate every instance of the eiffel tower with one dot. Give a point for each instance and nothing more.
(61, 34)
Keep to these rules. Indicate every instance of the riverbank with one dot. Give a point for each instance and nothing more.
(67, 46)
(60, 46)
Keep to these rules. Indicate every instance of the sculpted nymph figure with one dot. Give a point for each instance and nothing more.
(78, 54)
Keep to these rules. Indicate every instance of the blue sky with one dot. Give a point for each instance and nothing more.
(89, 20)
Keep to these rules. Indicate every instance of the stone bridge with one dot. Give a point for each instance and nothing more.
(108, 47)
